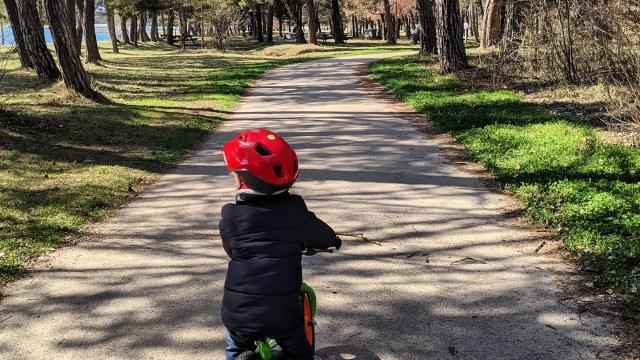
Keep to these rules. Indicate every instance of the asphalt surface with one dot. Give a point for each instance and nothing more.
(447, 275)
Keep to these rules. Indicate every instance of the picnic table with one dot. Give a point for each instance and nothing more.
(325, 36)
(178, 38)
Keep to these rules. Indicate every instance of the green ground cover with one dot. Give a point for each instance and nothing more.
(565, 177)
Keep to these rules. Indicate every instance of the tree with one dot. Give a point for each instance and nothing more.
(472, 14)
(258, 18)
(33, 35)
(311, 15)
(449, 32)
(336, 19)
(182, 15)
(21, 46)
(73, 74)
(222, 14)
(513, 19)
(294, 8)
(426, 27)
(111, 25)
(123, 29)
(133, 30)
(142, 27)
(269, 19)
(92, 54)
(154, 26)
(78, 22)
(170, 21)
(2, 19)
(388, 20)
(492, 23)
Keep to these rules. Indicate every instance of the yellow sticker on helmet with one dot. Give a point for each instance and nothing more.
(271, 137)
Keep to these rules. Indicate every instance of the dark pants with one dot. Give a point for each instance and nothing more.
(294, 344)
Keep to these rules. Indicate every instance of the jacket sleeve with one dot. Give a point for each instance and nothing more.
(226, 242)
(318, 235)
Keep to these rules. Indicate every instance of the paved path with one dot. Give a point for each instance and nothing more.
(149, 285)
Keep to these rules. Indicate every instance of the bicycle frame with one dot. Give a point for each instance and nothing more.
(268, 348)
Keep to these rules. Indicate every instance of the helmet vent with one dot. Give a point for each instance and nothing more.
(278, 170)
(262, 150)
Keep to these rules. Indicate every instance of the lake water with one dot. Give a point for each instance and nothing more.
(102, 34)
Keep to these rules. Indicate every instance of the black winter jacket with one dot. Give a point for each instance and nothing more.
(264, 236)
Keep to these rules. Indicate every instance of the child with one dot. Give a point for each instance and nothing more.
(264, 233)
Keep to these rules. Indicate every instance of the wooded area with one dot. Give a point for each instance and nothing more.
(569, 40)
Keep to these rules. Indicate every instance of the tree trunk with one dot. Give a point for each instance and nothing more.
(426, 27)
(71, 12)
(492, 23)
(388, 21)
(449, 32)
(111, 25)
(170, 20)
(480, 7)
(33, 35)
(336, 17)
(252, 25)
(354, 26)
(142, 28)
(183, 27)
(294, 13)
(513, 18)
(407, 26)
(473, 21)
(92, 54)
(79, 23)
(21, 46)
(270, 22)
(123, 29)
(259, 29)
(311, 14)
(73, 73)
(280, 28)
(154, 26)
(133, 30)
(163, 24)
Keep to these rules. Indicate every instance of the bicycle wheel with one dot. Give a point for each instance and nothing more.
(309, 325)
(306, 289)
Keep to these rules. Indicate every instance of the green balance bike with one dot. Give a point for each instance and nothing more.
(268, 349)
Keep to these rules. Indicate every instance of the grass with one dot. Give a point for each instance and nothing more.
(565, 177)
(65, 161)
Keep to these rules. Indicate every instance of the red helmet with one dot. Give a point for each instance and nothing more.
(263, 160)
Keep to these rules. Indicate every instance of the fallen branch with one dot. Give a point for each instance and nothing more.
(540, 247)
(358, 236)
